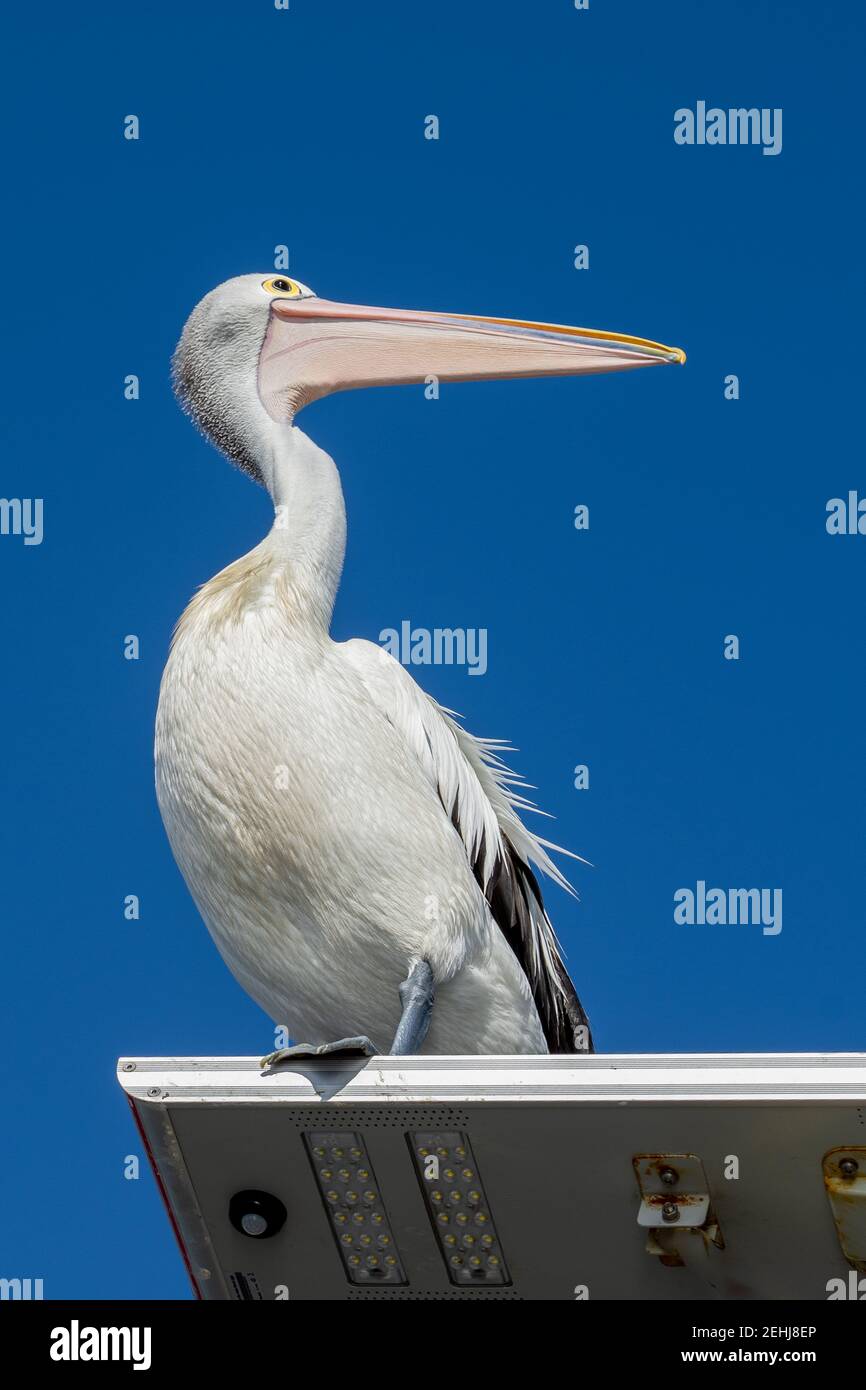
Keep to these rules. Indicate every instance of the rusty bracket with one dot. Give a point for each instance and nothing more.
(675, 1208)
(845, 1184)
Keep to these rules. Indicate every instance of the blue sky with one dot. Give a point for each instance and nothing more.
(707, 516)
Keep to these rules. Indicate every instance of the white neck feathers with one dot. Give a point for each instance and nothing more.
(308, 537)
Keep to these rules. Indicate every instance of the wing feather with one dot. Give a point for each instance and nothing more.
(480, 795)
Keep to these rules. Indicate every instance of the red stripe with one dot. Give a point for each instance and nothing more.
(166, 1203)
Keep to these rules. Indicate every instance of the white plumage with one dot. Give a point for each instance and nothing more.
(334, 825)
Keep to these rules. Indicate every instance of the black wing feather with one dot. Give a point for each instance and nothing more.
(509, 890)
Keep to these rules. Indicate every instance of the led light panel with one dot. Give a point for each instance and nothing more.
(458, 1209)
(356, 1212)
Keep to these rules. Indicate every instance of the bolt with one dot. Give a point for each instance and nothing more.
(670, 1212)
(848, 1167)
(129, 1066)
(669, 1176)
(154, 1091)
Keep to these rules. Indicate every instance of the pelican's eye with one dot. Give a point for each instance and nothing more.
(283, 287)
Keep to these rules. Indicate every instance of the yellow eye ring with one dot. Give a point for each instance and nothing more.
(282, 287)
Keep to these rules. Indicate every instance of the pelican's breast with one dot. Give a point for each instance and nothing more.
(310, 840)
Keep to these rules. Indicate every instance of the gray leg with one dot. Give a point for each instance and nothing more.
(416, 996)
(345, 1047)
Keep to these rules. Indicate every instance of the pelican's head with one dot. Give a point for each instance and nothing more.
(260, 347)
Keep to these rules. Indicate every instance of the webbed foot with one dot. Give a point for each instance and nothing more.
(344, 1047)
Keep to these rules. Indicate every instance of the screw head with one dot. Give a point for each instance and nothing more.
(670, 1212)
(128, 1066)
(154, 1091)
(848, 1167)
(669, 1176)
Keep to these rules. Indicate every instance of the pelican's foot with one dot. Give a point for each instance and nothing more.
(344, 1047)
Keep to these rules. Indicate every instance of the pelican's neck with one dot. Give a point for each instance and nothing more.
(308, 537)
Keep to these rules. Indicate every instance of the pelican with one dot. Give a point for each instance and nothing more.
(359, 859)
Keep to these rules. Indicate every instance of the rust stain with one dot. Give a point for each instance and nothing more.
(847, 1197)
(653, 1165)
(661, 1199)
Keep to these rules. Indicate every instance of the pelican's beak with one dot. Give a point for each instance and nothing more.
(314, 346)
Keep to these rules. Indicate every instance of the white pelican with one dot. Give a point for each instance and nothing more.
(355, 853)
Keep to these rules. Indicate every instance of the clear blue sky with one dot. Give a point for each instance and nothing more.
(707, 516)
